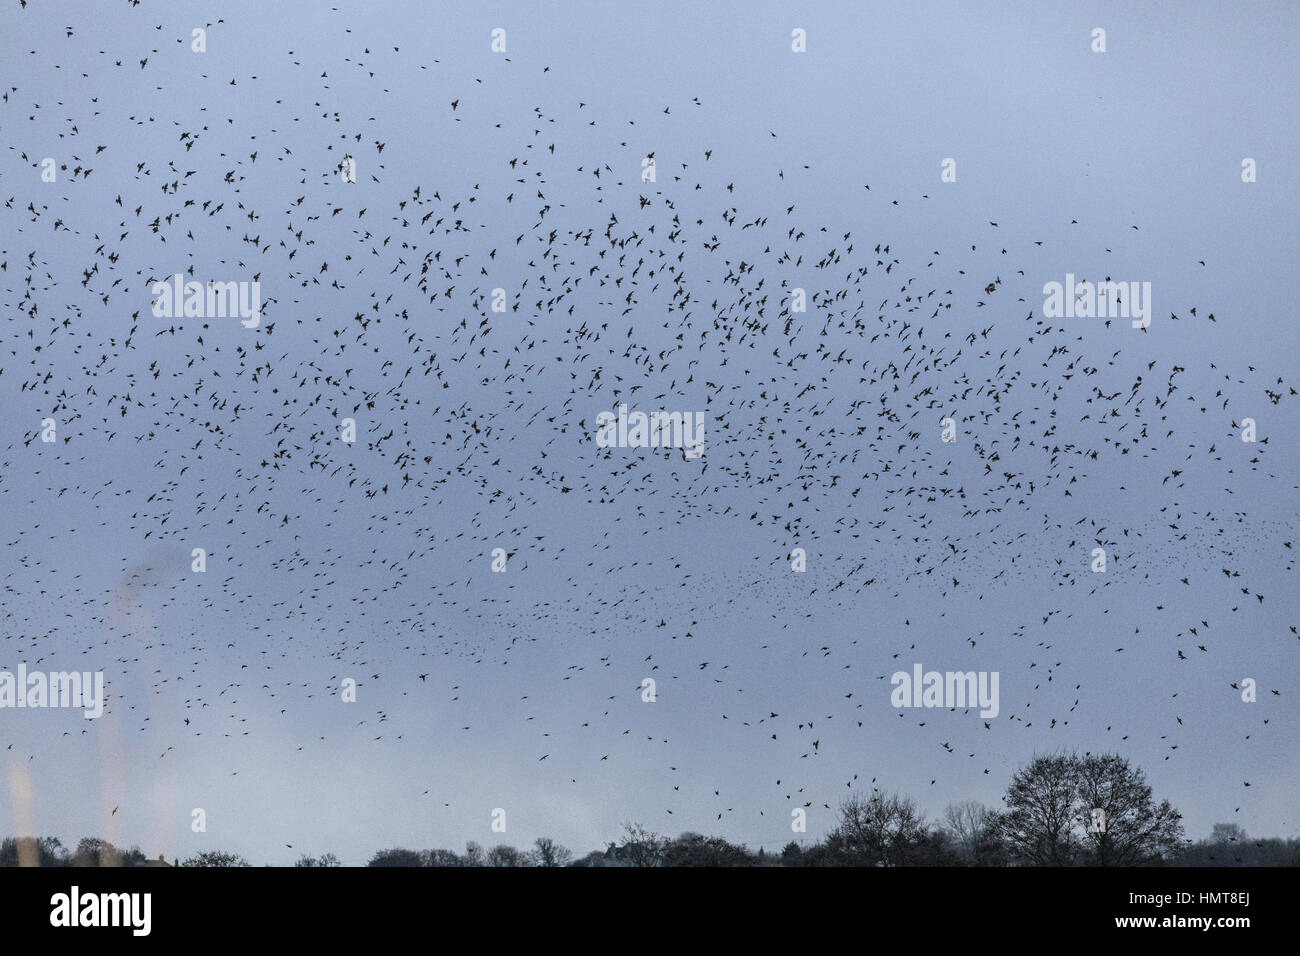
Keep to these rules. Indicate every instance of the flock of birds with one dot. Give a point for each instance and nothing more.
(373, 560)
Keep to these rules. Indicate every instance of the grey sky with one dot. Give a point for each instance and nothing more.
(547, 659)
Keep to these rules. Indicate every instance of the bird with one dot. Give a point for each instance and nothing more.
(470, 320)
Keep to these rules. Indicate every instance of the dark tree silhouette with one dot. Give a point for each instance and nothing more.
(92, 851)
(33, 851)
(642, 848)
(396, 857)
(1227, 833)
(215, 858)
(1228, 845)
(504, 855)
(791, 853)
(693, 849)
(973, 832)
(1134, 830)
(879, 830)
(549, 853)
(441, 858)
(1042, 804)
(1094, 810)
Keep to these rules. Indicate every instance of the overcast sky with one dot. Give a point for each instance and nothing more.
(372, 561)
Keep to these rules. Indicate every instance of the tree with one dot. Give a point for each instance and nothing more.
(396, 857)
(822, 854)
(474, 855)
(325, 859)
(790, 855)
(550, 853)
(134, 857)
(1095, 809)
(972, 828)
(1134, 830)
(1271, 851)
(1227, 833)
(692, 849)
(92, 851)
(1042, 804)
(934, 848)
(215, 858)
(880, 830)
(504, 855)
(441, 858)
(642, 848)
(596, 858)
(33, 851)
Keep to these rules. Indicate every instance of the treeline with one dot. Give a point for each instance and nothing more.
(1059, 810)
(50, 851)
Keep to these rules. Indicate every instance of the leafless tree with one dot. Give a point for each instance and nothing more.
(973, 828)
(474, 855)
(1227, 833)
(549, 853)
(882, 829)
(1132, 828)
(505, 855)
(1042, 803)
(642, 848)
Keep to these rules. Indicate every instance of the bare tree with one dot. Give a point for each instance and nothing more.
(642, 848)
(1095, 809)
(33, 851)
(1042, 803)
(1227, 833)
(474, 855)
(504, 855)
(973, 828)
(1132, 828)
(550, 853)
(882, 830)
(397, 856)
(215, 858)
(92, 851)
(694, 849)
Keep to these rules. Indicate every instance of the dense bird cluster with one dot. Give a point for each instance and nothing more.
(373, 560)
